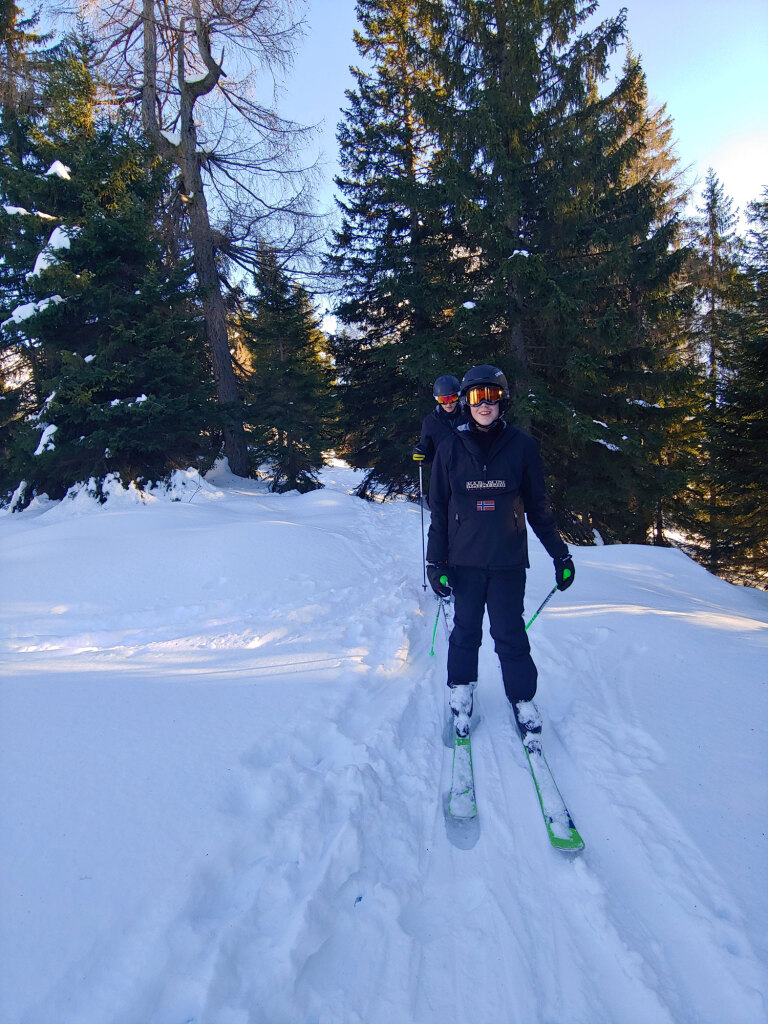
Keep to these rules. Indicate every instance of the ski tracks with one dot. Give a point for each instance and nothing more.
(531, 943)
(662, 899)
(294, 917)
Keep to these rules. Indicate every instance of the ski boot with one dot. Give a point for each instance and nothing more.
(460, 703)
(528, 721)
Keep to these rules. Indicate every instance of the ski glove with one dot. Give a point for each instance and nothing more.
(438, 579)
(418, 454)
(565, 570)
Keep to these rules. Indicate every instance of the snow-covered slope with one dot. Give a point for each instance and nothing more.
(222, 778)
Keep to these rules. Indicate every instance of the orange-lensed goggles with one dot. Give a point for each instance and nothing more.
(447, 399)
(489, 394)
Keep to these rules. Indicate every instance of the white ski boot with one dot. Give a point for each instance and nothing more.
(527, 718)
(460, 703)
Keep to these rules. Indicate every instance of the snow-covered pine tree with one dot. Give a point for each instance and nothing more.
(291, 409)
(118, 371)
(24, 228)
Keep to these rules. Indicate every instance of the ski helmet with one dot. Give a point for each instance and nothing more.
(445, 385)
(478, 376)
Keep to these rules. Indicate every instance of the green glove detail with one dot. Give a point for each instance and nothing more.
(564, 572)
(438, 579)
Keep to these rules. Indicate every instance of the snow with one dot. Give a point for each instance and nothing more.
(28, 309)
(59, 169)
(21, 211)
(223, 776)
(46, 440)
(60, 239)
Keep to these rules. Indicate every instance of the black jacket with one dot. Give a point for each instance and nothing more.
(479, 501)
(437, 426)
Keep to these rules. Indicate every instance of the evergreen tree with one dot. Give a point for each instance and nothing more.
(22, 55)
(743, 437)
(391, 253)
(717, 325)
(291, 410)
(24, 224)
(117, 371)
(568, 237)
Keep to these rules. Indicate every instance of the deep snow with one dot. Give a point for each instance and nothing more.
(222, 778)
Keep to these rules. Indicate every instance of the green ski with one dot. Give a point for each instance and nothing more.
(562, 832)
(461, 802)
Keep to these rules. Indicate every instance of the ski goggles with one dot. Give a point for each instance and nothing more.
(488, 393)
(447, 399)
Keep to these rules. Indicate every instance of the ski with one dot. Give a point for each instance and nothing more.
(563, 834)
(461, 801)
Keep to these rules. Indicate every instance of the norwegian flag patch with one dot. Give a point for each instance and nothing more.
(486, 505)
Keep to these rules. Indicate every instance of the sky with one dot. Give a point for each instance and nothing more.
(705, 59)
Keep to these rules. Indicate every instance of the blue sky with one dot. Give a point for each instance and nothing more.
(707, 60)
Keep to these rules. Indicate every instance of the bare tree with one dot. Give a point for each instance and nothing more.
(237, 158)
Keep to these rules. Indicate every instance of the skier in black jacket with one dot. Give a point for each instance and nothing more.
(487, 477)
(442, 421)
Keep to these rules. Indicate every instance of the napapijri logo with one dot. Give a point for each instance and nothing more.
(486, 505)
(485, 485)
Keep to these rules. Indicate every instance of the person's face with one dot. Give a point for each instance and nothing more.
(484, 414)
(449, 407)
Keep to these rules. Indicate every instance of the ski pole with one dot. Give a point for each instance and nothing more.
(434, 628)
(546, 600)
(423, 553)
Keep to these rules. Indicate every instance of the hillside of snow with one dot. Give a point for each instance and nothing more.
(222, 777)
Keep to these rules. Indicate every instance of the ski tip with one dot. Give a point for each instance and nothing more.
(569, 844)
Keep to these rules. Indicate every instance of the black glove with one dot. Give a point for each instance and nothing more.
(565, 570)
(438, 579)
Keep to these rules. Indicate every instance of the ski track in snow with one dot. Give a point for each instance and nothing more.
(326, 890)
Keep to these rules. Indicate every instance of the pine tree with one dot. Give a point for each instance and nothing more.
(22, 54)
(743, 436)
(291, 408)
(391, 254)
(120, 382)
(567, 241)
(717, 325)
(24, 223)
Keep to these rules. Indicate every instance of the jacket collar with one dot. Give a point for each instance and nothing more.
(471, 443)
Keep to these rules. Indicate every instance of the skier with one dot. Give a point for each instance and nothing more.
(487, 476)
(442, 421)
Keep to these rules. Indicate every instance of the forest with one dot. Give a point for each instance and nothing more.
(504, 197)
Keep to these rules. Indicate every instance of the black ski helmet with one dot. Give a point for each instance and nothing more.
(445, 385)
(477, 376)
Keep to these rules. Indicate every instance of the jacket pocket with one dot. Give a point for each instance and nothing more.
(516, 515)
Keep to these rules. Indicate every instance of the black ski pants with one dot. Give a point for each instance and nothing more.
(502, 592)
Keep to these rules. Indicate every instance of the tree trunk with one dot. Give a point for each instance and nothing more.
(214, 311)
(186, 157)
